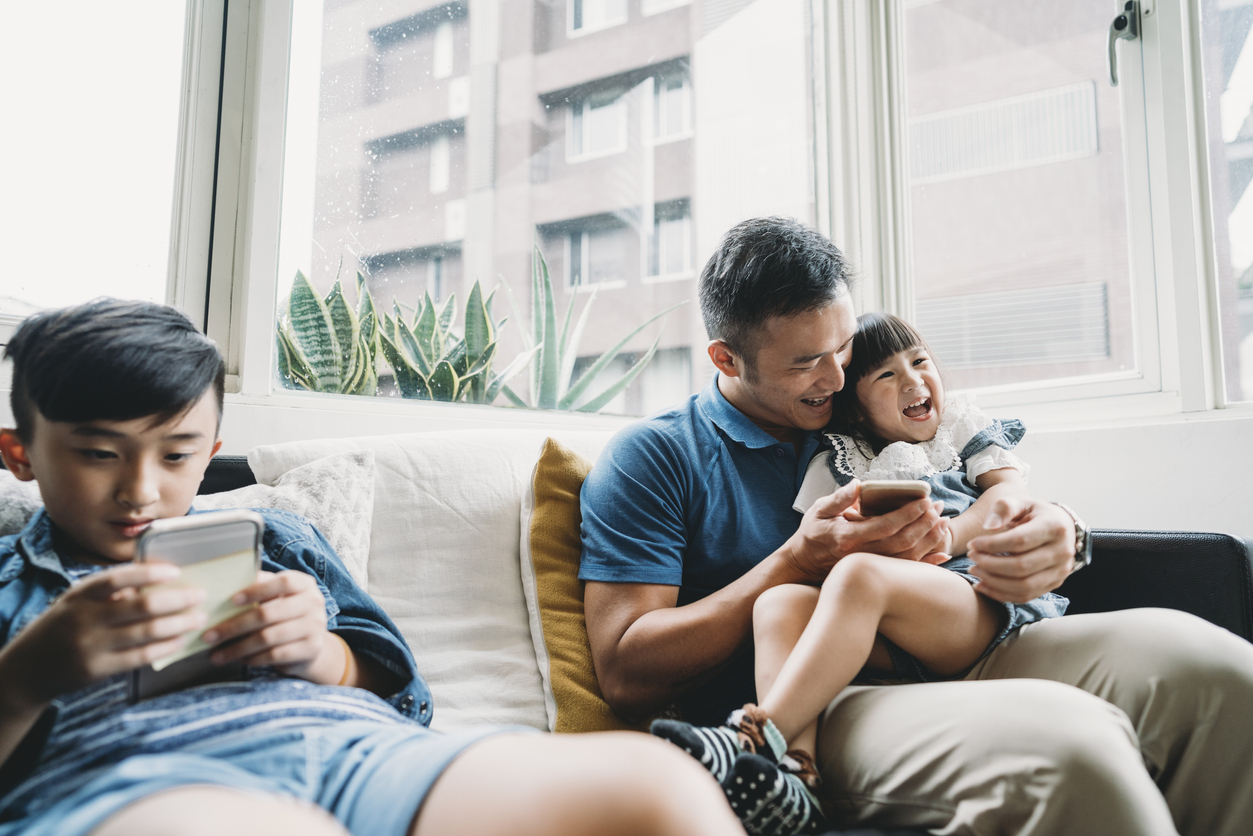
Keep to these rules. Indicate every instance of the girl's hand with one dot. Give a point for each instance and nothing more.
(286, 629)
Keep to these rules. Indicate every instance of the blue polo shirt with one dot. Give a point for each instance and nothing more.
(693, 497)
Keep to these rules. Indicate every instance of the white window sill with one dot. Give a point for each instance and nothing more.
(571, 32)
(582, 158)
(588, 288)
(669, 277)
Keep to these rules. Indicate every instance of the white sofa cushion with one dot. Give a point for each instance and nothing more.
(444, 559)
(334, 493)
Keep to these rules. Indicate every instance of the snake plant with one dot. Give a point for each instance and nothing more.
(326, 346)
(557, 348)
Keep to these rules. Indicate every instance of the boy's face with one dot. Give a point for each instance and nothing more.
(103, 482)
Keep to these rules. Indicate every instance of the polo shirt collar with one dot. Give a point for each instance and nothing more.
(730, 420)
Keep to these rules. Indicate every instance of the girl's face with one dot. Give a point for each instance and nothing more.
(901, 400)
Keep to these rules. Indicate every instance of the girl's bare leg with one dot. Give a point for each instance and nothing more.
(779, 618)
(593, 784)
(928, 611)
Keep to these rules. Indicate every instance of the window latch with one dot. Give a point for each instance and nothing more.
(1125, 26)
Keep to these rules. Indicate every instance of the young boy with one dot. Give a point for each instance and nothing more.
(117, 407)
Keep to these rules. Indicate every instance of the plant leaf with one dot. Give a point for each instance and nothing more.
(409, 380)
(570, 352)
(444, 382)
(513, 397)
(347, 327)
(293, 369)
(314, 334)
(478, 325)
(447, 312)
(585, 380)
(412, 346)
(621, 383)
(512, 370)
(426, 331)
(550, 358)
(456, 354)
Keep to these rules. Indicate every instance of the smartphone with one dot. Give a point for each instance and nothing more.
(886, 495)
(218, 552)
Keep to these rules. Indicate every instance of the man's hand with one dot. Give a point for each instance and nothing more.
(1033, 552)
(111, 622)
(830, 530)
(286, 629)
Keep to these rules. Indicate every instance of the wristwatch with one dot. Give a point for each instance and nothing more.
(1083, 539)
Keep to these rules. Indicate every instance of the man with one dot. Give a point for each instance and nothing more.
(687, 518)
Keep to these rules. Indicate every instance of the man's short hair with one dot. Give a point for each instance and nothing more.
(763, 268)
(110, 360)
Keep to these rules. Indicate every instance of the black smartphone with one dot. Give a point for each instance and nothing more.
(884, 496)
(218, 552)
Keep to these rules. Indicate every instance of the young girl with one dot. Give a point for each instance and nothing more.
(911, 621)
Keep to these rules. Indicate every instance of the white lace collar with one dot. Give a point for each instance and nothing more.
(903, 460)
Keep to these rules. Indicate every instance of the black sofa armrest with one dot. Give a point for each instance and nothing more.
(1209, 575)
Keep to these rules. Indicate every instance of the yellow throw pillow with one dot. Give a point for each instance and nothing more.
(554, 594)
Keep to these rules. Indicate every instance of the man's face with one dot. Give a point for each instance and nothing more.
(103, 482)
(799, 365)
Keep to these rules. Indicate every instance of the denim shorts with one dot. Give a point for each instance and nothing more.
(1048, 605)
(372, 777)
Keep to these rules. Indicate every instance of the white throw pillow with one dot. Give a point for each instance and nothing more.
(18, 503)
(444, 560)
(335, 493)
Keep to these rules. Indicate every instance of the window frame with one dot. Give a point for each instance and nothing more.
(571, 32)
(861, 198)
(1174, 284)
(619, 104)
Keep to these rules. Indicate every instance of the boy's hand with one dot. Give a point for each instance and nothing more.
(112, 622)
(286, 629)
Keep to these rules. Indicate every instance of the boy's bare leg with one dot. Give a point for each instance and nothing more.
(212, 811)
(596, 784)
(927, 611)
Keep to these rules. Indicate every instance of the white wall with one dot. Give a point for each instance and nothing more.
(1189, 475)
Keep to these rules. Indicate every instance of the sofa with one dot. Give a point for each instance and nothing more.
(452, 553)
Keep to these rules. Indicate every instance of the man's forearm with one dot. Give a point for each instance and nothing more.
(669, 650)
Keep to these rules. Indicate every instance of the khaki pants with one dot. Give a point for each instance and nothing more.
(1112, 724)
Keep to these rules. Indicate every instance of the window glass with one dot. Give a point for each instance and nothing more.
(90, 149)
(540, 137)
(1227, 56)
(1018, 201)
(586, 15)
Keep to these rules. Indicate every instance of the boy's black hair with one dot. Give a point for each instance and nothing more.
(763, 268)
(879, 337)
(110, 360)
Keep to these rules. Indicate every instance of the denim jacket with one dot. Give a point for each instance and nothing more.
(32, 575)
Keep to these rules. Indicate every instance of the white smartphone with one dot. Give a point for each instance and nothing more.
(218, 552)
(883, 496)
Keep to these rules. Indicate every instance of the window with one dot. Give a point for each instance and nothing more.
(597, 253)
(441, 63)
(652, 7)
(671, 107)
(598, 126)
(90, 166)
(590, 15)
(1021, 260)
(670, 246)
(1227, 59)
(439, 165)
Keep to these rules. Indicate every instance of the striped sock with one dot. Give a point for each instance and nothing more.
(715, 747)
(770, 801)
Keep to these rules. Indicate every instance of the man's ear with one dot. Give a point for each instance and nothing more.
(217, 445)
(725, 359)
(13, 451)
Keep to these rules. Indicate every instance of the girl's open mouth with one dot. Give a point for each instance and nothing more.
(919, 409)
